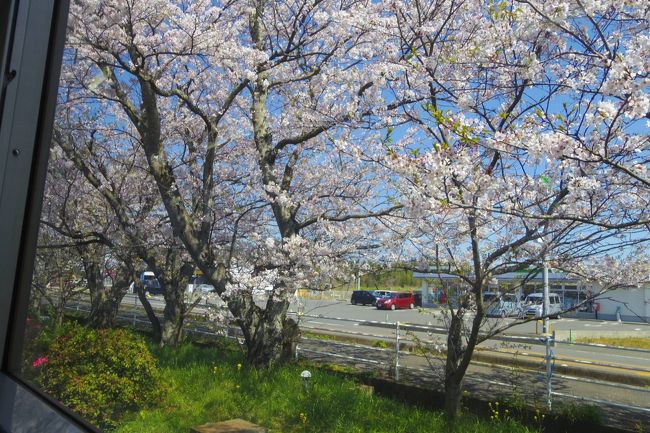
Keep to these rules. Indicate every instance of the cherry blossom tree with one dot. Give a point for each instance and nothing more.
(131, 203)
(244, 112)
(519, 152)
(57, 276)
(84, 225)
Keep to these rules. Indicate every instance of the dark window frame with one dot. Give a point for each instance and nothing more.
(32, 36)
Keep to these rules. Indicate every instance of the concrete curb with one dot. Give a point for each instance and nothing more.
(525, 362)
(518, 338)
(589, 372)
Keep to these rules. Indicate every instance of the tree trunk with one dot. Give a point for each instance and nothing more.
(274, 342)
(104, 301)
(59, 311)
(453, 395)
(35, 303)
(103, 310)
(453, 373)
(172, 328)
(151, 315)
(270, 337)
(172, 331)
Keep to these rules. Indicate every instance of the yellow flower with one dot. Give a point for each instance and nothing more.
(238, 367)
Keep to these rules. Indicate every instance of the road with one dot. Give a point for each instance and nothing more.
(582, 372)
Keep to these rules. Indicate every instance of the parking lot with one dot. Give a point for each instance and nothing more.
(564, 327)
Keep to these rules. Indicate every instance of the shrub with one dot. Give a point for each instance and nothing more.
(38, 338)
(381, 344)
(100, 374)
(580, 415)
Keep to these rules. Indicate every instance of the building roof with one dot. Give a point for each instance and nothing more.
(510, 276)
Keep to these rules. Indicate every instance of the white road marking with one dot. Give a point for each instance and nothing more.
(324, 323)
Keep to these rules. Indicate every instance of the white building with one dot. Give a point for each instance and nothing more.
(629, 304)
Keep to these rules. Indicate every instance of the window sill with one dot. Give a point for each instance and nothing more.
(22, 411)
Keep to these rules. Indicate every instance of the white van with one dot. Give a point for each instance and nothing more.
(534, 305)
(150, 283)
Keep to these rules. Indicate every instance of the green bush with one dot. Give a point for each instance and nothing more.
(580, 415)
(381, 344)
(37, 340)
(100, 374)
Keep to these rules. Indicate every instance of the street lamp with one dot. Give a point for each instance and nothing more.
(305, 376)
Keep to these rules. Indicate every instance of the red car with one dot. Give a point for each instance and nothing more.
(395, 300)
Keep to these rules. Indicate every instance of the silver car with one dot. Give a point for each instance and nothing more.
(503, 305)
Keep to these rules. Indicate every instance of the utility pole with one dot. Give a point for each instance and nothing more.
(547, 335)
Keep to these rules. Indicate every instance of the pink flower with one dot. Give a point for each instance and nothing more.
(39, 361)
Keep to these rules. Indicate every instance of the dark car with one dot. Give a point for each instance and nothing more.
(395, 300)
(153, 286)
(378, 294)
(362, 297)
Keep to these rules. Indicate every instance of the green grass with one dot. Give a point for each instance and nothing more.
(208, 384)
(636, 342)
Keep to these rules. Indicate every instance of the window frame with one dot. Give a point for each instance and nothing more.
(32, 37)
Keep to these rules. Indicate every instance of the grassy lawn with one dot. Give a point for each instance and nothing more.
(636, 342)
(208, 384)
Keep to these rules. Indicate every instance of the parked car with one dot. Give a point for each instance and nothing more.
(503, 305)
(418, 299)
(362, 297)
(379, 294)
(150, 283)
(534, 305)
(395, 300)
